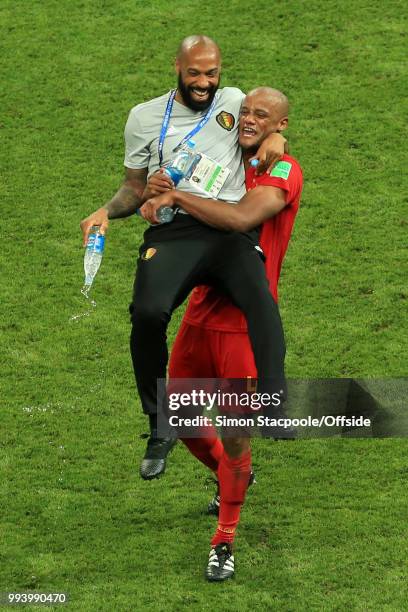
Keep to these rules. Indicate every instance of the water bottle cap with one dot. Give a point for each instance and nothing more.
(254, 162)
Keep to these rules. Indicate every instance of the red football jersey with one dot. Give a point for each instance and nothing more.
(210, 310)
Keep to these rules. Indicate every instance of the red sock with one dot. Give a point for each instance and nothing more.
(208, 450)
(233, 477)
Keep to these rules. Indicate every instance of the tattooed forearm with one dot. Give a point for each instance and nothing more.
(125, 202)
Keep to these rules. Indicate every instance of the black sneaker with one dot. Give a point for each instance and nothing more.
(154, 461)
(220, 563)
(214, 505)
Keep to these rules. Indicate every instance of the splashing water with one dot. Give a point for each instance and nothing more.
(91, 304)
(85, 291)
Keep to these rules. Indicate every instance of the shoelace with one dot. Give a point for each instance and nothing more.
(223, 553)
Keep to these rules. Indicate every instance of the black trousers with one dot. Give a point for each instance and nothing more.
(188, 253)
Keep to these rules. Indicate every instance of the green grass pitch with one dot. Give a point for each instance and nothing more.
(325, 528)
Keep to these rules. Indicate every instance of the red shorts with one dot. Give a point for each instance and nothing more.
(204, 353)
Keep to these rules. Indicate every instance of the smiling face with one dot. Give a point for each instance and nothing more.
(263, 111)
(198, 69)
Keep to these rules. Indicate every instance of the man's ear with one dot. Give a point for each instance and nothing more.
(283, 124)
(177, 66)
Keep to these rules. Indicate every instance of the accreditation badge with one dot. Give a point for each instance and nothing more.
(207, 176)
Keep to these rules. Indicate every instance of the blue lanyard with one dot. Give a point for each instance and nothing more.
(166, 121)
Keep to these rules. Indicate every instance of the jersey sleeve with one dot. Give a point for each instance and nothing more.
(285, 175)
(137, 152)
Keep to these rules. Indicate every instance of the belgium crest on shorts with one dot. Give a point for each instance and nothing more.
(149, 253)
(225, 120)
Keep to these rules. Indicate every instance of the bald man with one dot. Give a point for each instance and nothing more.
(177, 256)
(213, 341)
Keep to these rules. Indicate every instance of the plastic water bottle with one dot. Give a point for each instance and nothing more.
(177, 170)
(165, 214)
(180, 165)
(93, 257)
